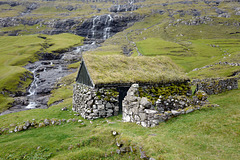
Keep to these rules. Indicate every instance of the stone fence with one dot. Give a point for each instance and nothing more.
(141, 110)
(92, 103)
(217, 85)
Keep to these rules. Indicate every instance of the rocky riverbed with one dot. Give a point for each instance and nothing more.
(46, 74)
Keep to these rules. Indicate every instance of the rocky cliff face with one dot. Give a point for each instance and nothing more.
(104, 26)
(97, 27)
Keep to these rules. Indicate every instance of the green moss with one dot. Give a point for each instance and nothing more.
(201, 95)
(153, 93)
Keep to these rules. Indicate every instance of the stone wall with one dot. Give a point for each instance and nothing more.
(141, 111)
(215, 86)
(153, 91)
(93, 103)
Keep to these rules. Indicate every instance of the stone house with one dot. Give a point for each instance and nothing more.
(103, 82)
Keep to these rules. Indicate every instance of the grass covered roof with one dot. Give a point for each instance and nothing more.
(122, 69)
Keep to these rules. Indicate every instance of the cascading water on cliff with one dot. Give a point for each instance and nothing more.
(94, 24)
(101, 27)
(107, 29)
(32, 90)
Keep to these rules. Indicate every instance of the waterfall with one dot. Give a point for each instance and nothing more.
(107, 29)
(34, 85)
(32, 89)
(94, 24)
(101, 27)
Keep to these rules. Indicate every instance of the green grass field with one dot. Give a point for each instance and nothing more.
(205, 134)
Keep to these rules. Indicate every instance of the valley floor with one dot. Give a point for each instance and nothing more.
(205, 134)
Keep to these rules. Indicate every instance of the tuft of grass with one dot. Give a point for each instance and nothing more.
(74, 65)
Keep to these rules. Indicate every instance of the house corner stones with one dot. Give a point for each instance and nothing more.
(93, 103)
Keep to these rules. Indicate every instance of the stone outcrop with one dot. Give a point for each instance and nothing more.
(124, 8)
(104, 26)
(98, 27)
(14, 21)
(141, 111)
(217, 85)
(92, 103)
(61, 26)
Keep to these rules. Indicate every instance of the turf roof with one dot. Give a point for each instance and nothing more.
(121, 69)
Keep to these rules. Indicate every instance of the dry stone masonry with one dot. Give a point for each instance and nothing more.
(146, 105)
(93, 103)
(217, 85)
(143, 112)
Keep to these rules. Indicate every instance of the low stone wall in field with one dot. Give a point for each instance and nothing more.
(92, 103)
(217, 85)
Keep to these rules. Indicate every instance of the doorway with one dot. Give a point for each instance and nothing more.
(122, 93)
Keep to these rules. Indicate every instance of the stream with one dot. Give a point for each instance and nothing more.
(46, 73)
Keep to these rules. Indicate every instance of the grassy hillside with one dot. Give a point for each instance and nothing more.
(17, 51)
(170, 34)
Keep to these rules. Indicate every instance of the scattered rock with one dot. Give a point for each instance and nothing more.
(64, 109)
(70, 147)
(118, 151)
(143, 154)
(114, 133)
(69, 120)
